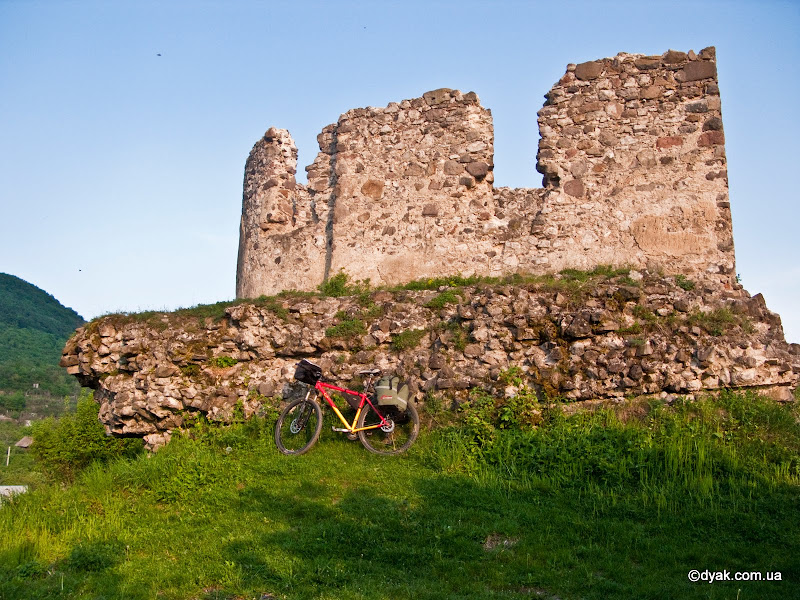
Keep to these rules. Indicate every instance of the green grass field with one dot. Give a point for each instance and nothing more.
(590, 506)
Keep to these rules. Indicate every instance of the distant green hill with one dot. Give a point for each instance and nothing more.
(34, 327)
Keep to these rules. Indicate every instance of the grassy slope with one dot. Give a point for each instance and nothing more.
(226, 516)
(33, 329)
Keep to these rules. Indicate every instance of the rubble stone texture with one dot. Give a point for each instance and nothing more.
(632, 153)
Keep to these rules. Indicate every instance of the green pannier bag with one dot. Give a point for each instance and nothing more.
(390, 391)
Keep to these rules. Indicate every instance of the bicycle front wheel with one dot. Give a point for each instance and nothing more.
(299, 426)
(396, 436)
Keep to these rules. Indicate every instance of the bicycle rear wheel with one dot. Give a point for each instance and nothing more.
(396, 436)
(299, 426)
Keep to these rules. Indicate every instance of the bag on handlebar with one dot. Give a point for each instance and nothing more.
(390, 391)
(308, 372)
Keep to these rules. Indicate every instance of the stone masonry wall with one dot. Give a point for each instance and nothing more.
(606, 339)
(632, 153)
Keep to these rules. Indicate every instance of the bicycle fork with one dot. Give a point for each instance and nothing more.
(299, 422)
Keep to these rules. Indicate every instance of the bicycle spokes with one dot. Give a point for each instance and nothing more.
(300, 421)
(390, 435)
(298, 427)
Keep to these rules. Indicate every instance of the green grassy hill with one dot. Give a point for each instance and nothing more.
(613, 504)
(33, 329)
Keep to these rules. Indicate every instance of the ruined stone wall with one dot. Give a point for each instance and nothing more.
(282, 242)
(633, 156)
(632, 152)
(609, 338)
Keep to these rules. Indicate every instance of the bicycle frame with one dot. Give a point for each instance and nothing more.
(350, 427)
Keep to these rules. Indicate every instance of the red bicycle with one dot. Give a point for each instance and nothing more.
(384, 422)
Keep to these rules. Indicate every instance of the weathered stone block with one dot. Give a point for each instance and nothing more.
(711, 138)
(669, 142)
(453, 167)
(574, 188)
(589, 70)
(713, 124)
(697, 70)
(478, 169)
(651, 92)
(430, 210)
(697, 107)
(437, 96)
(672, 57)
(648, 63)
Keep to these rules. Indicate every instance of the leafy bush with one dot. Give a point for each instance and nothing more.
(272, 305)
(456, 329)
(645, 314)
(12, 402)
(338, 286)
(683, 283)
(443, 299)
(408, 339)
(346, 329)
(223, 362)
(599, 272)
(719, 321)
(214, 311)
(66, 446)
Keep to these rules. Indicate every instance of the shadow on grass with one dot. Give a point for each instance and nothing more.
(89, 566)
(453, 537)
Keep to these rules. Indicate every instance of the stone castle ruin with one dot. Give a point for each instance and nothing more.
(633, 158)
(632, 153)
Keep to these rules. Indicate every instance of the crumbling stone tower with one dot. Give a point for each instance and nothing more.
(632, 153)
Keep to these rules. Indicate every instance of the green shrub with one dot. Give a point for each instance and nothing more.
(338, 286)
(484, 415)
(223, 362)
(64, 447)
(575, 275)
(635, 328)
(683, 283)
(511, 376)
(408, 339)
(190, 370)
(347, 328)
(600, 272)
(645, 314)
(455, 327)
(271, 304)
(443, 299)
(13, 402)
(215, 311)
(719, 321)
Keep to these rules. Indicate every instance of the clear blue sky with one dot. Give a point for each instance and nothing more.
(121, 170)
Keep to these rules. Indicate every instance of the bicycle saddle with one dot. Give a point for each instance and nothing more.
(369, 372)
